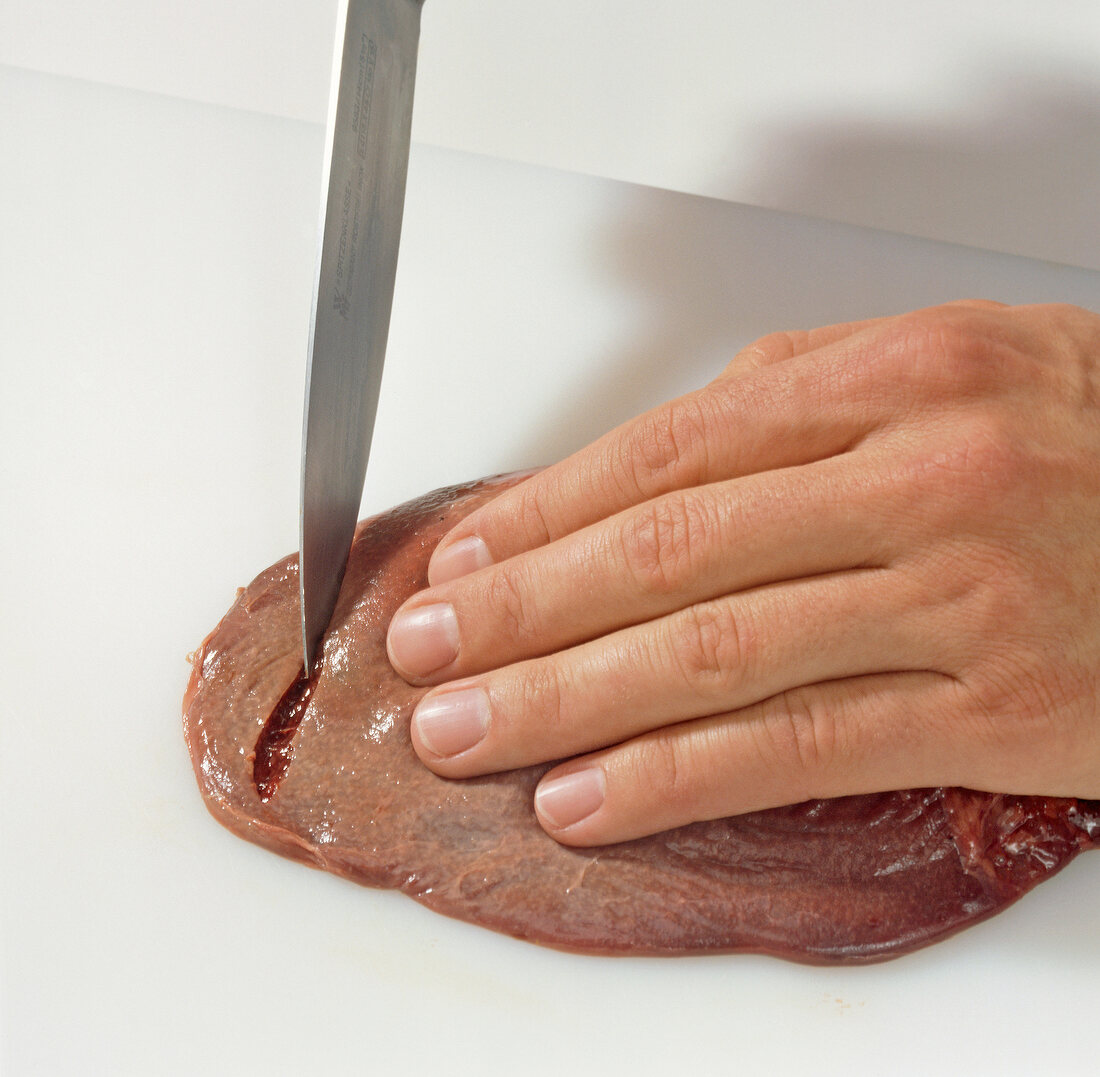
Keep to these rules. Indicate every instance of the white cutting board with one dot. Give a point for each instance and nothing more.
(154, 293)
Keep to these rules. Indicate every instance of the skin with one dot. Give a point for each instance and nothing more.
(865, 557)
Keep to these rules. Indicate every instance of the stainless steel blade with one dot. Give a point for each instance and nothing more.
(363, 196)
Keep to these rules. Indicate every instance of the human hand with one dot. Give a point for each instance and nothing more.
(865, 557)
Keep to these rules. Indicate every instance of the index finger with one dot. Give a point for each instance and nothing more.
(738, 425)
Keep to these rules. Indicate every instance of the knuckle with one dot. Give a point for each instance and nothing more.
(1000, 693)
(975, 471)
(1030, 681)
(773, 348)
(666, 771)
(799, 736)
(666, 449)
(1034, 713)
(947, 350)
(977, 462)
(993, 456)
(507, 597)
(1007, 713)
(1065, 314)
(536, 701)
(662, 542)
(978, 304)
(530, 517)
(711, 647)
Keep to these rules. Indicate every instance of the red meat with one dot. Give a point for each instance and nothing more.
(324, 772)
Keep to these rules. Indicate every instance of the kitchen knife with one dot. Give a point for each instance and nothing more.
(363, 197)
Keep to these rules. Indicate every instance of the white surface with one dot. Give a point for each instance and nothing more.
(975, 122)
(153, 306)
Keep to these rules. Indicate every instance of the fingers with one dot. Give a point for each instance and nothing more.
(735, 426)
(683, 548)
(787, 399)
(809, 579)
(711, 658)
(779, 347)
(839, 738)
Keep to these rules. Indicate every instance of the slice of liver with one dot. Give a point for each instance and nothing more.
(337, 785)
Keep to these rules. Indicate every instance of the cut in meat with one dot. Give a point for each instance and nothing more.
(322, 770)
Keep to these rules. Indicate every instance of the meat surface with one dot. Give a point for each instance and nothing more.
(323, 771)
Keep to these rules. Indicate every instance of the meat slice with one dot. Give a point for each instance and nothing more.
(323, 771)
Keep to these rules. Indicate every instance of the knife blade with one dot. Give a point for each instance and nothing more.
(363, 197)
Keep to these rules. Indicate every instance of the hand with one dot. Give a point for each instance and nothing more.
(865, 557)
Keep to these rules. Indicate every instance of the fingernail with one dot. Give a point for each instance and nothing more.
(452, 722)
(459, 559)
(571, 798)
(424, 639)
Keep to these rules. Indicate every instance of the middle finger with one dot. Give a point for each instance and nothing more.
(666, 554)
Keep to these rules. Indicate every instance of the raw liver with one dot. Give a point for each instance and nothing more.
(849, 880)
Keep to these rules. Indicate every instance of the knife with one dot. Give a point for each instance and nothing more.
(363, 197)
